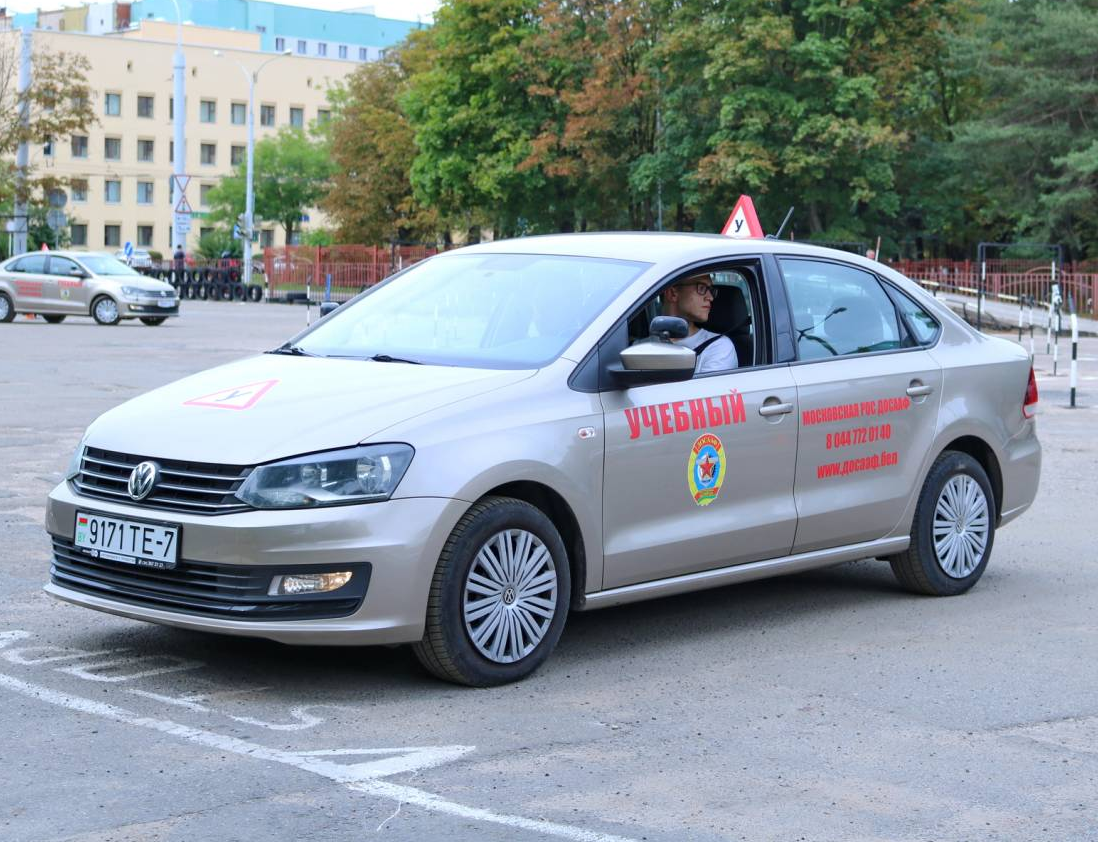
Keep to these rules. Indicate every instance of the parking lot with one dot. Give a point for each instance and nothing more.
(822, 706)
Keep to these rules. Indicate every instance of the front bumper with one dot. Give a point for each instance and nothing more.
(147, 309)
(396, 544)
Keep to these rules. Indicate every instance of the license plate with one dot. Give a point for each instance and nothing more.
(128, 541)
(165, 303)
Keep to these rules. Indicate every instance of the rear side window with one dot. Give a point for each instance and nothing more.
(839, 310)
(34, 263)
(919, 321)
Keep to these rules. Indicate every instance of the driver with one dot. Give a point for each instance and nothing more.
(691, 299)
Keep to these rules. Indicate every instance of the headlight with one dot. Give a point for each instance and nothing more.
(357, 475)
(75, 461)
(133, 292)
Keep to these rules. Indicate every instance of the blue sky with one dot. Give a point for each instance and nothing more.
(398, 9)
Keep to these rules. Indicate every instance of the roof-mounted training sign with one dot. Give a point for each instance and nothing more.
(743, 222)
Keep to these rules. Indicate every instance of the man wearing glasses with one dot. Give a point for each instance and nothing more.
(691, 299)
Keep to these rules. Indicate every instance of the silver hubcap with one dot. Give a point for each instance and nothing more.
(510, 596)
(106, 310)
(961, 526)
(3, 307)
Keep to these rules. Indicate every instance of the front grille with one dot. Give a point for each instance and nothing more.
(197, 488)
(210, 590)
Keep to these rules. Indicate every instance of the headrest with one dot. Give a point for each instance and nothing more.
(729, 311)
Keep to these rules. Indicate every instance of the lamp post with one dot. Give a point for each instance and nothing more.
(249, 191)
(179, 158)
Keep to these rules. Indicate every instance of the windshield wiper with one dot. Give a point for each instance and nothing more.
(386, 358)
(291, 350)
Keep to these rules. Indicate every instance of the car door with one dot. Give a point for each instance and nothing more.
(698, 474)
(868, 397)
(36, 290)
(66, 278)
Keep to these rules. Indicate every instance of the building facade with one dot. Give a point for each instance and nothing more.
(119, 171)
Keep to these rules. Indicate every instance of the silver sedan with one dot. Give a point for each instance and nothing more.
(505, 433)
(56, 284)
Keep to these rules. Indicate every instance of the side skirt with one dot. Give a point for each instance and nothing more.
(744, 572)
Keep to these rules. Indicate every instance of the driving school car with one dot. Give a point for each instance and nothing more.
(56, 284)
(502, 434)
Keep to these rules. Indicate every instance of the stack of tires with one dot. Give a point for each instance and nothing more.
(210, 284)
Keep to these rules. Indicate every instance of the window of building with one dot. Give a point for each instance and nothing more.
(144, 192)
(171, 108)
(112, 235)
(112, 148)
(79, 189)
(297, 117)
(204, 194)
(322, 49)
(144, 150)
(301, 47)
(112, 191)
(280, 45)
(79, 146)
(144, 235)
(78, 234)
(112, 104)
(171, 151)
(238, 113)
(47, 148)
(267, 238)
(57, 198)
(236, 155)
(343, 51)
(205, 232)
(266, 115)
(207, 111)
(362, 54)
(323, 115)
(144, 106)
(209, 154)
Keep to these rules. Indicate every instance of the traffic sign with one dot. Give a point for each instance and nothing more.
(743, 222)
(183, 206)
(181, 182)
(128, 249)
(181, 223)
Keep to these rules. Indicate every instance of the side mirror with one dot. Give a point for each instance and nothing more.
(328, 307)
(78, 273)
(656, 359)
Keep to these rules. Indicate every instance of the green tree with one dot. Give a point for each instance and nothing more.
(373, 148)
(215, 243)
(292, 173)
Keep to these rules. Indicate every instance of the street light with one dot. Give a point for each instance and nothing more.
(179, 158)
(249, 192)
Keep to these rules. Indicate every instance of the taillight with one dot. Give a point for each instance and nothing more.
(1031, 396)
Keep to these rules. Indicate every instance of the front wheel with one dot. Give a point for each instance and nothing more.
(7, 311)
(153, 321)
(105, 310)
(953, 530)
(499, 596)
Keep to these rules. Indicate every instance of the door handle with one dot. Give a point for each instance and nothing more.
(770, 409)
(919, 391)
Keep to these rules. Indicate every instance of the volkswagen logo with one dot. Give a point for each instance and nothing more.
(143, 480)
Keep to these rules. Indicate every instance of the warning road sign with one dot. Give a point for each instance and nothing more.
(743, 222)
(181, 182)
(183, 206)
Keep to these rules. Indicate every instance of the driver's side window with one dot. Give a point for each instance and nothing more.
(63, 266)
(839, 310)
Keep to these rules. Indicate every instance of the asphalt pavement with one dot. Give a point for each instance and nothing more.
(824, 706)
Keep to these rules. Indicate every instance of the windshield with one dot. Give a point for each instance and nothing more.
(101, 265)
(481, 310)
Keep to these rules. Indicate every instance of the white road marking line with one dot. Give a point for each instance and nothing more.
(305, 720)
(175, 664)
(360, 777)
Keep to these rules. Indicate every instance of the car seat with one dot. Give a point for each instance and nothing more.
(729, 315)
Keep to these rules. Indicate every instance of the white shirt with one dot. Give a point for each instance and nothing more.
(719, 356)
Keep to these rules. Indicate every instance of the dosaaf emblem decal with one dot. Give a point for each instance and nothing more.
(705, 469)
(238, 397)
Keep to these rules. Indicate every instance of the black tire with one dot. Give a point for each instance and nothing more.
(185, 290)
(447, 649)
(239, 293)
(213, 292)
(919, 568)
(102, 313)
(226, 291)
(201, 291)
(7, 309)
(53, 319)
(153, 321)
(255, 292)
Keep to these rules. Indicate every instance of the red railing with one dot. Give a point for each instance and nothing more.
(335, 272)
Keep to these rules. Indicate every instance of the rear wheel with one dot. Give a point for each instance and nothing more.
(953, 530)
(153, 321)
(499, 597)
(7, 309)
(54, 319)
(105, 311)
